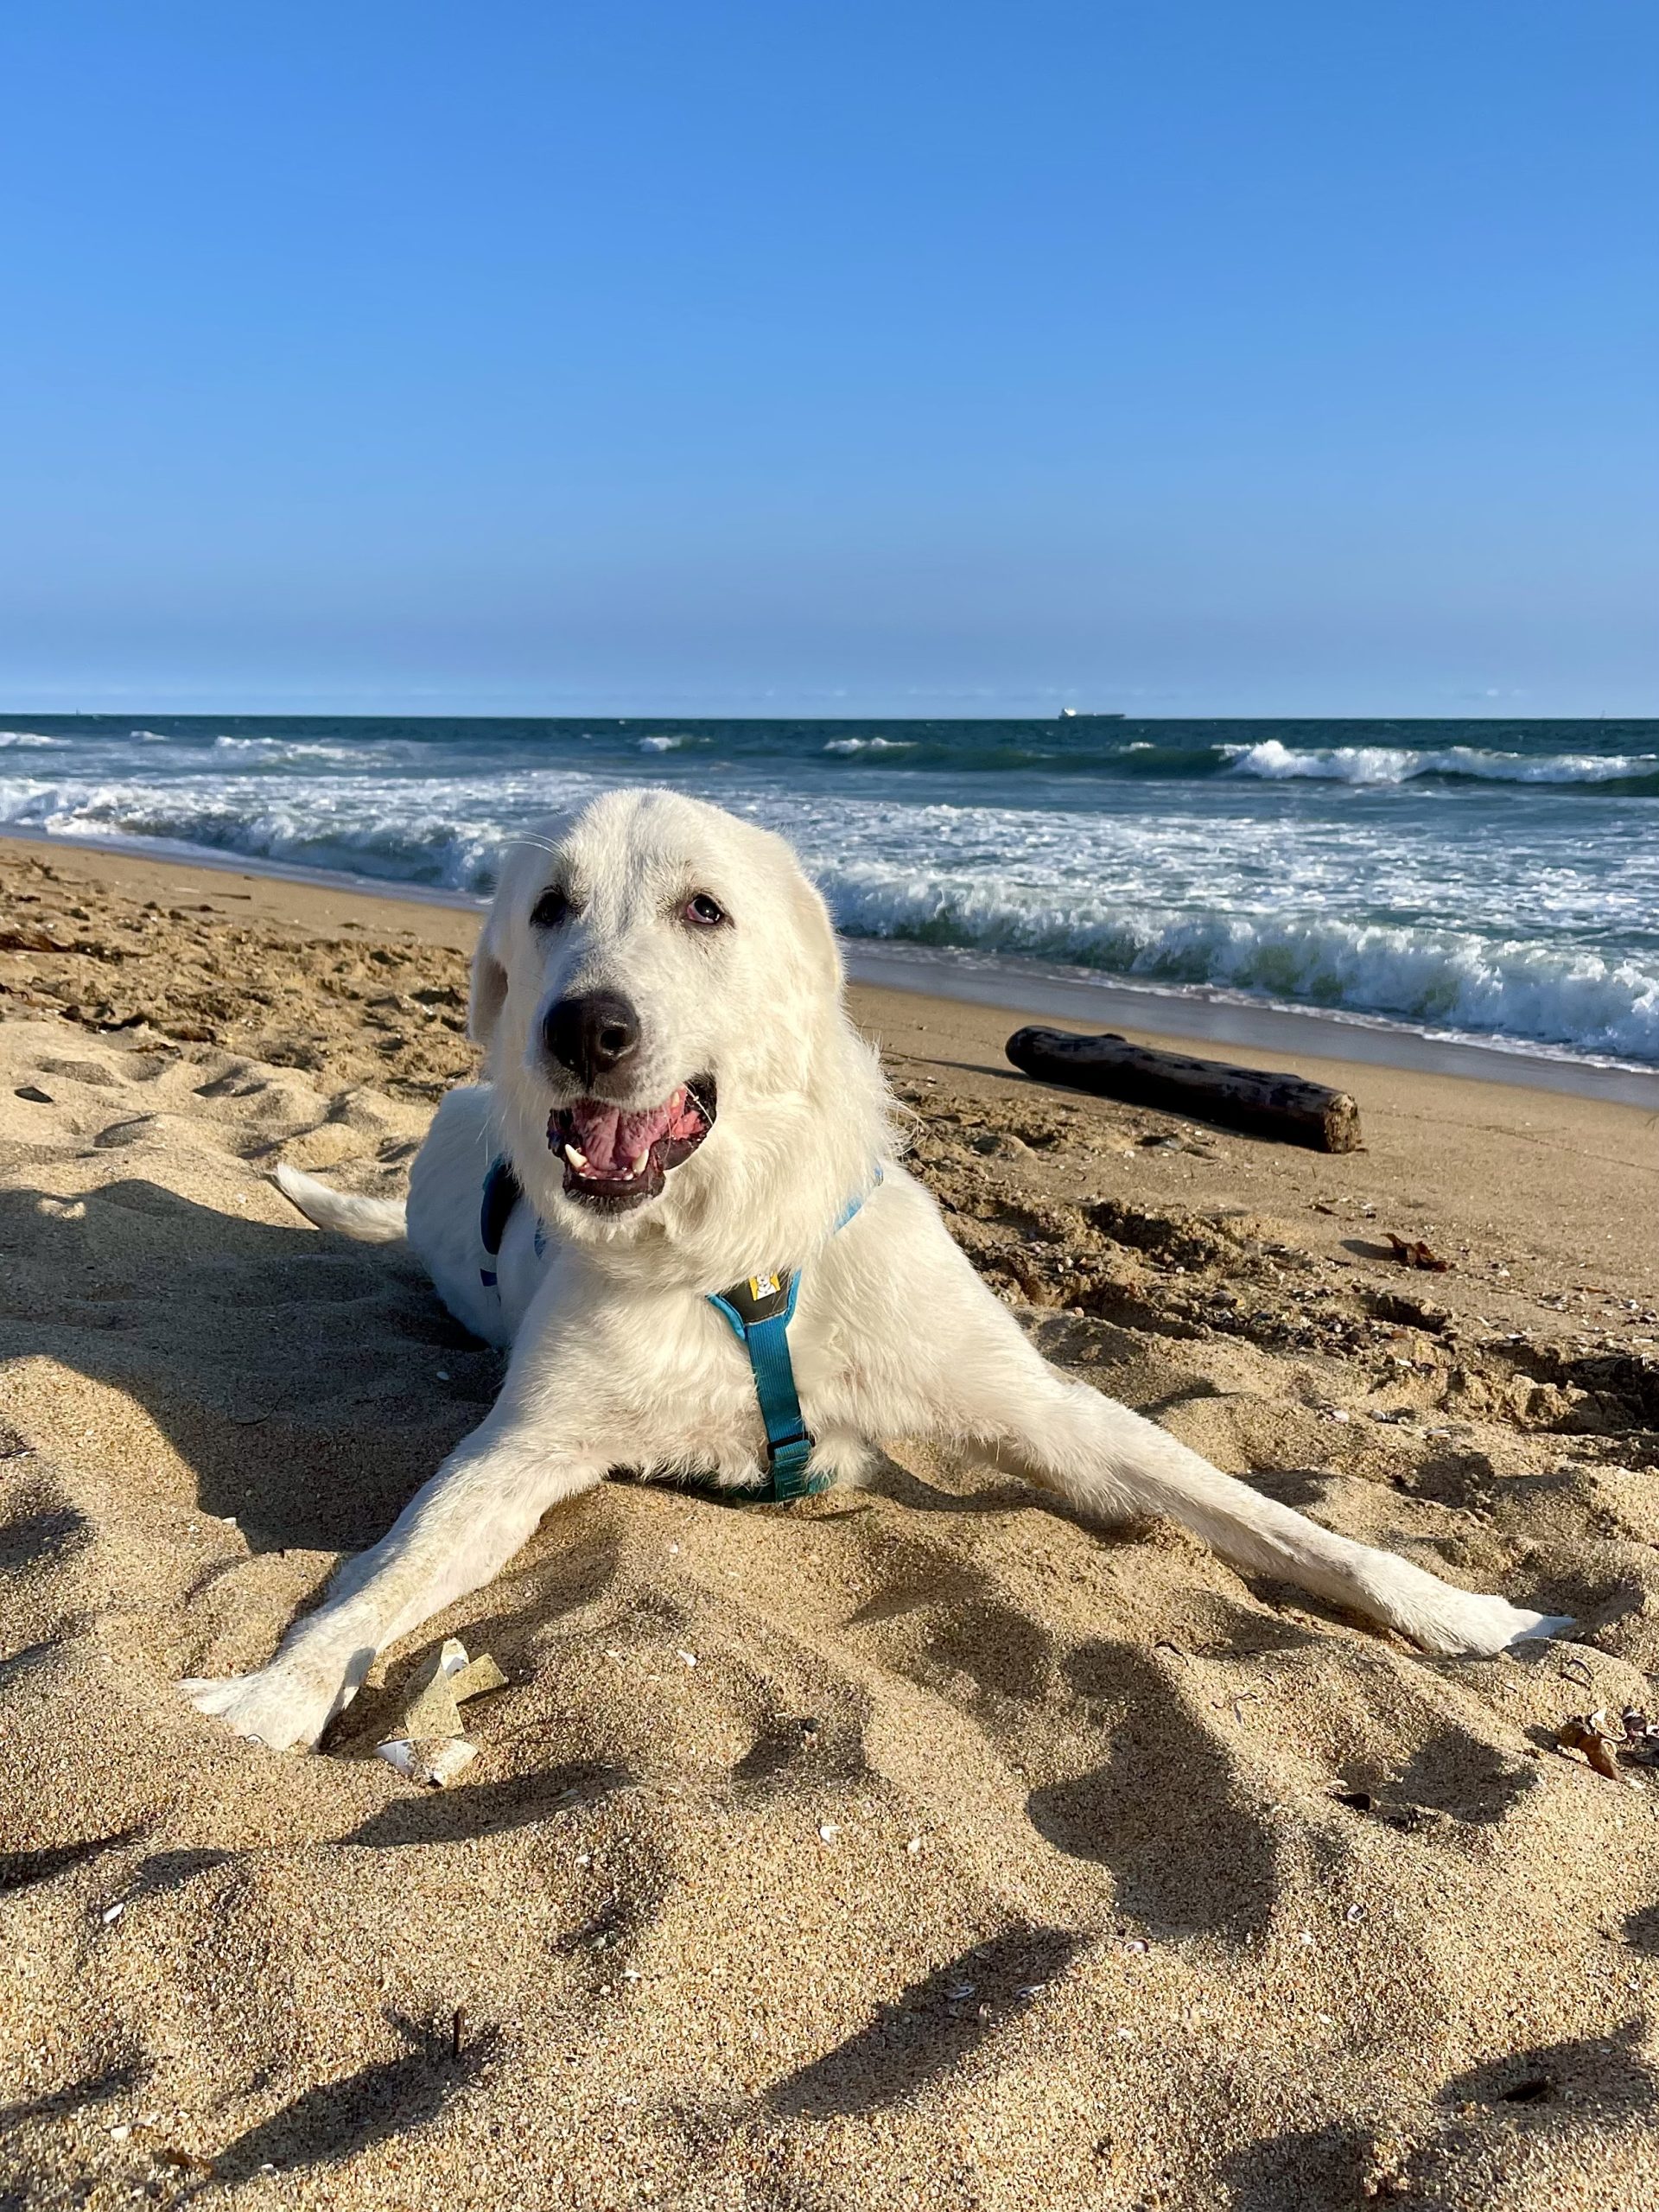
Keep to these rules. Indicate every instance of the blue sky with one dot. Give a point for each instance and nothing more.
(1182, 357)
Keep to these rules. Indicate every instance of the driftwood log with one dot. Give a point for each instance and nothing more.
(1281, 1106)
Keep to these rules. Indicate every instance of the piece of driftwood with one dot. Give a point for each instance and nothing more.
(1282, 1106)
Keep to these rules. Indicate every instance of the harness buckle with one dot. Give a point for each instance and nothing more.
(787, 1456)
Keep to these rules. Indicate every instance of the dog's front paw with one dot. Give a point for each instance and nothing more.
(280, 1707)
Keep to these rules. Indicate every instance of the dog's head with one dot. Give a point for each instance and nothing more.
(659, 992)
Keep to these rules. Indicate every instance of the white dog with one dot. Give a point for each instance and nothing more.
(685, 1116)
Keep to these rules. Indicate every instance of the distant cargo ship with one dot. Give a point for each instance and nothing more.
(1086, 714)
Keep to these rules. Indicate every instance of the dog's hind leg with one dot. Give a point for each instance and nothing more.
(482, 1504)
(972, 1376)
(1111, 1464)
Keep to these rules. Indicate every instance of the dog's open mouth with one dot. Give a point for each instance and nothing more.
(617, 1156)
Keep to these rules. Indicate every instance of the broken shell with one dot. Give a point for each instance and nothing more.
(430, 1707)
(477, 1677)
(428, 1746)
(438, 1686)
(431, 1761)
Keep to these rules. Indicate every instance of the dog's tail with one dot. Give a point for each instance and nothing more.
(370, 1221)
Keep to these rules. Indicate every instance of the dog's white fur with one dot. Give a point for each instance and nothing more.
(619, 1359)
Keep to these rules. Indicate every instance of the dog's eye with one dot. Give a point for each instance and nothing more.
(704, 913)
(550, 912)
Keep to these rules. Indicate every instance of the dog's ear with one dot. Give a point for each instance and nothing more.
(815, 932)
(489, 992)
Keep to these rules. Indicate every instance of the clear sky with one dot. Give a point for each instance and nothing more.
(882, 356)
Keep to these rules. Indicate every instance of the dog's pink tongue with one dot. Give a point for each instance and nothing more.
(593, 1126)
(611, 1140)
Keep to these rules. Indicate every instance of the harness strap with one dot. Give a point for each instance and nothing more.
(502, 1191)
(759, 1309)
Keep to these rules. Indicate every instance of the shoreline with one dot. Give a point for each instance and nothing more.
(372, 987)
(1033, 989)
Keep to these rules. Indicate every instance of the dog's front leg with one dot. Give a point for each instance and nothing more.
(482, 1504)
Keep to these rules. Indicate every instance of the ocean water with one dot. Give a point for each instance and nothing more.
(1485, 879)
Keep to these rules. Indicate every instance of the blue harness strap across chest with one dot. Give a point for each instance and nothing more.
(759, 1310)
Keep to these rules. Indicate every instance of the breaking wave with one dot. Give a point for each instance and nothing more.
(433, 834)
(1499, 884)
(1573, 997)
(284, 751)
(1154, 902)
(1397, 764)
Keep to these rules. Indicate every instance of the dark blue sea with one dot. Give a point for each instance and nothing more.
(1478, 879)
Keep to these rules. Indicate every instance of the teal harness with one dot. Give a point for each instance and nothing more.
(759, 1309)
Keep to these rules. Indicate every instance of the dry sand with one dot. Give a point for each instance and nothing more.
(924, 1848)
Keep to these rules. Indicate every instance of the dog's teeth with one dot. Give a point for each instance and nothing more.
(577, 1160)
(641, 1161)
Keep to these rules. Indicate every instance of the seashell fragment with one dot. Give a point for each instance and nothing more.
(428, 1746)
(432, 1761)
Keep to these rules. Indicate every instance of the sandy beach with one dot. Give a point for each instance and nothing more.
(918, 1848)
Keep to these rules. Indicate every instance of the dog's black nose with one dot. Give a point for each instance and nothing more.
(592, 1034)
